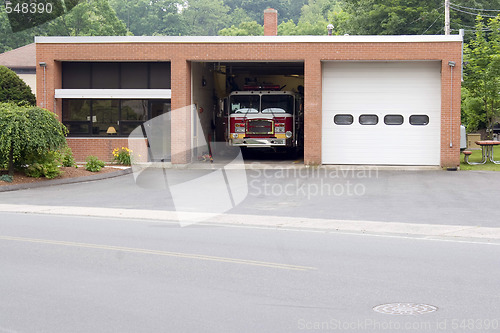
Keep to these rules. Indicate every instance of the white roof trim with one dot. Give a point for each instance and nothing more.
(249, 39)
(114, 93)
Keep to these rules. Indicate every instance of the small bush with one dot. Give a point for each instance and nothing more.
(94, 164)
(66, 157)
(6, 178)
(122, 156)
(46, 165)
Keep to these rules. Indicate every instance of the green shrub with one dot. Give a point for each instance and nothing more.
(94, 164)
(26, 134)
(66, 157)
(46, 165)
(14, 89)
(6, 178)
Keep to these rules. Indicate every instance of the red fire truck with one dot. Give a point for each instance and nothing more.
(267, 118)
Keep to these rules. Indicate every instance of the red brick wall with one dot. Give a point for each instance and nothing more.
(181, 54)
(100, 147)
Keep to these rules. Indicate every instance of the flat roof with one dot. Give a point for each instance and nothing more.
(249, 39)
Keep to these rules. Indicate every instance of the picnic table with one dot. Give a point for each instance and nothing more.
(487, 152)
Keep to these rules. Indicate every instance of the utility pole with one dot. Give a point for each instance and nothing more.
(446, 17)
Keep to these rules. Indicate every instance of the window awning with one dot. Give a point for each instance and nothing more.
(114, 93)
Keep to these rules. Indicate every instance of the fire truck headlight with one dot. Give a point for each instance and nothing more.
(288, 134)
(234, 135)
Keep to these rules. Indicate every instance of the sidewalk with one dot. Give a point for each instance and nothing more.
(427, 231)
(435, 203)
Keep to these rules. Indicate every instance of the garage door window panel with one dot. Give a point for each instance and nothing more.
(393, 119)
(343, 119)
(419, 119)
(368, 119)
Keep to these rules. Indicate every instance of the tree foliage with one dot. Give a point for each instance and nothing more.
(14, 89)
(212, 17)
(88, 18)
(27, 134)
(481, 87)
(146, 18)
(244, 29)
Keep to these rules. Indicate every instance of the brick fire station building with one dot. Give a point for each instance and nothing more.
(370, 100)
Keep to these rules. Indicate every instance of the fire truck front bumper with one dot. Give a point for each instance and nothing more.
(260, 142)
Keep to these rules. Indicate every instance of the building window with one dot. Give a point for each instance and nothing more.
(393, 119)
(85, 117)
(343, 119)
(419, 119)
(116, 75)
(368, 119)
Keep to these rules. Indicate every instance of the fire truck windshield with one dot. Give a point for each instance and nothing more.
(269, 104)
(245, 104)
(277, 104)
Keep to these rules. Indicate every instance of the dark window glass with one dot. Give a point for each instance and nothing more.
(76, 110)
(159, 107)
(393, 119)
(105, 75)
(245, 104)
(134, 75)
(78, 127)
(419, 119)
(104, 116)
(100, 117)
(343, 119)
(368, 119)
(159, 75)
(76, 75)
(134, 110)
(116, 75)
(277, 104)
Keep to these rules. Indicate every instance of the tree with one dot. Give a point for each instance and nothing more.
(395, 17)
(146, 18)
(244, 29)
(316, 15)
(11, 40)
(481, 98)
(14, 89)
(27, 133)
(205, 17)
(88, 18)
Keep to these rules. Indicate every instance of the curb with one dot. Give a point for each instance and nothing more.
(52, 182)
(434, 232)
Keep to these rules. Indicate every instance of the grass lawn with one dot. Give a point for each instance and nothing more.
(476, 157)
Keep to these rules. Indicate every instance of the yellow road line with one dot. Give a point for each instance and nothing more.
(160, 253)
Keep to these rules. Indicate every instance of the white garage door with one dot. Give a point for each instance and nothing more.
(381, 113)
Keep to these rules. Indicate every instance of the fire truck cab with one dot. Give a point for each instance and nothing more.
(264, 119)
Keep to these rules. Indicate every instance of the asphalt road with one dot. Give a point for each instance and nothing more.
(76, 274)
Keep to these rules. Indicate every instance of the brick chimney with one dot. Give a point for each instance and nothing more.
(270, 22)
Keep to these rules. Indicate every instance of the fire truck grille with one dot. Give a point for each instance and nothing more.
(260, 126)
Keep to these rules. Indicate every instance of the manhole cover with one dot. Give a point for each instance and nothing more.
(408, 309)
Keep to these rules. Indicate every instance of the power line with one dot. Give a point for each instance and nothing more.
(477, 9)
(470, 13)
(432, 24)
